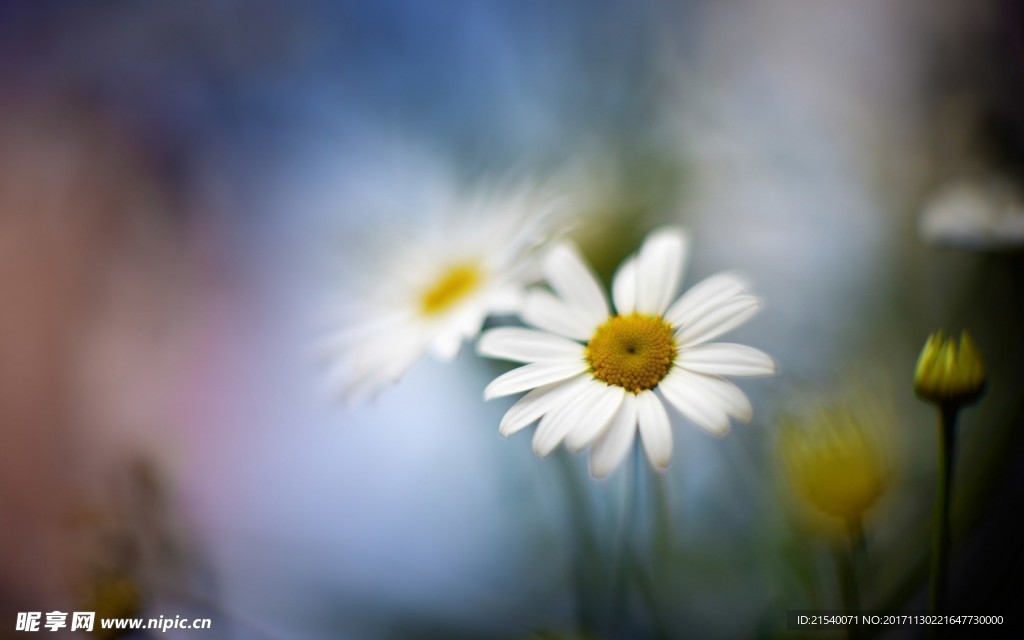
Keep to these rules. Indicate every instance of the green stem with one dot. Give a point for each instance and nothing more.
(620, 591)
(586, 552)
(858, 540)
(663, 535)
(646, 589)
(940, 546)
(846, 565)
(661, 552)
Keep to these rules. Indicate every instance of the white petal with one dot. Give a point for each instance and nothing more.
(700, 408)
(350, 336)
(728, 396)
(538, 402)
(726, 359)
(370, 345)
(470, 320)
(655, 429)
(613, 445)
(545, 311)
(355, 390)
(367, 378)
(375, 363)
(535, 374)
(447, 345)
(450, 331)
(720, 319)
(379, 351)
(557, 424)
(624, 287)
(594, 415)
(575, 283)
(705, 295)
(507, 299)
(526, 345)
(659, 268)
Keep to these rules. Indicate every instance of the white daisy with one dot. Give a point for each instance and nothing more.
(434, 286)
(595, 376)
(985, 214)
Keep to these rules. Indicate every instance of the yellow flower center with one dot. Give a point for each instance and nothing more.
(633, 352)
(457, 282)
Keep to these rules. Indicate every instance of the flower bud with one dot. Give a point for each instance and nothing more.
(833, 462)
(947, 375)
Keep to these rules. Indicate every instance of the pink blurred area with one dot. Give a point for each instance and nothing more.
(98, 281)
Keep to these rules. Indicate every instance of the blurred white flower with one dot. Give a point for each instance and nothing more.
(978, 214)
(429, 288)
(592, 374)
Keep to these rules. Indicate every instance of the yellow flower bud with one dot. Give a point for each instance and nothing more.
(834, 462)
(948, 375)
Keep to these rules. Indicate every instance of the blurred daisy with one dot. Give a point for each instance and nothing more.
(433, 286)
(592, 374)
(984, 214)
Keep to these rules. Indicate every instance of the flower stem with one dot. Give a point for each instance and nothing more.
(620, 591)
(944, 489)
(586, 553)
(846, 563)
(858, 540)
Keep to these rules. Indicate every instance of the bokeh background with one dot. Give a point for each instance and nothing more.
(175, 179)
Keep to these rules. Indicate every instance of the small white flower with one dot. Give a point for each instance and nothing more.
(984, 214)
(592, 375)
(433, 287)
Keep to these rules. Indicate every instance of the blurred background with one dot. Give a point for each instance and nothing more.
(174, 177)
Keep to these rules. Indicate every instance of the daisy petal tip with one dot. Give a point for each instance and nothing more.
(603, 468)
(505, 427)
(481, 344)
(674, 232)
(446, 357)
(719, 432)
(658, 460)
(575, 447)
(749, 306)
(740, 279)
(541, 452)
(771, 367)
(562, 251)
(680, 243)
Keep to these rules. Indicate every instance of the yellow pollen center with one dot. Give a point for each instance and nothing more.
(633, 352)
(455, 283)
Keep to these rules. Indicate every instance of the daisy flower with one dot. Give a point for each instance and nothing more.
(433, 285)
(986, 214)
(596, 376)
